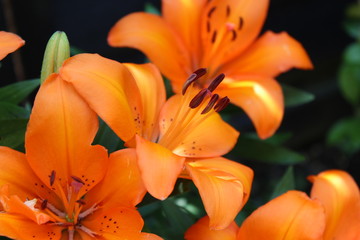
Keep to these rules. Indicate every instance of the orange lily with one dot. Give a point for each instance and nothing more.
(220, 35)
(9, 42)
(182, 137)
(64, 187)
(332, 212)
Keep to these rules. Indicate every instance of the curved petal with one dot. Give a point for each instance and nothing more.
(261, 98)
(270, 55)
(340, 195)
(201, 231)
(108, 87)
(159, 167)
(153, 36)
(9, 42)
(133, 235)
(224, 187)
(59, 136)
(20, 177)
(193, 137)
(122, 184)
(291, 216)
(153, 96)
(17, 227)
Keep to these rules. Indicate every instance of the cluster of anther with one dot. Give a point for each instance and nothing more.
(215, 101)
(230, 26)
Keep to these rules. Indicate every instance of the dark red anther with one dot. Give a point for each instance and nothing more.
(77, 179)
(81, 202)
(211, 11)
(44, 204)
(241, 23)
(227, 11)
(211, 103)
(234, 35)
(213, 85)
(193, 77)
(52, 177)
(213, 38)
(221, 104)
(197, 100)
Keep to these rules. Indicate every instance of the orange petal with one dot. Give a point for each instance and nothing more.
(269, 56)
(159, 167)
(153, 96)
(9, 42)
(122, 184)
(205, 136)
(339, 194)
(201, 231)
(224, 187)
(114, 220)
(133, 235)
(153, 36)
(291, 216)
(59, 136)
(261, 98)
(17, 227)
(102, 83)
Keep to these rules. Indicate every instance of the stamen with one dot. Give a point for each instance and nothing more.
(44, 204)
(52, 177)
(197, 100)
(241, 23)
(71, 234)
(234, 34)
(213, 85)
(77, 179)
(193, 77)
(87, 231)
(54, 210)
(227, 11)
(81, 202)
(221, 104)
(230, 26)
(211, 103)
(213, 38)
(89, 211)
(211, 12)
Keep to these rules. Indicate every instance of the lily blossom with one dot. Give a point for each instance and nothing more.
(332, 212)
(9, 42)
(181, 137)
(64, 187)
(222, 36)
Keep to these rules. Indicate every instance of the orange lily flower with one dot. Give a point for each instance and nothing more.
(332, 212)
(182, 137)
(9, 42)
(64, 187)
(220, 35)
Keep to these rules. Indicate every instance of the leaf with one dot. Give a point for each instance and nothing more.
(286, 183)
(352, 22)
(150, 8)
(12, 111)
(17, 92)
(295, 97)
(12, 132)
(255, 149)
(107, 138)
(345, 134)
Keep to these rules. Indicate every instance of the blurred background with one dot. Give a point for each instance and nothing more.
(321, 128)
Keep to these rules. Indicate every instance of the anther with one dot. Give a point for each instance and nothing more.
(197, 100)
(227, 11)
(221, 104)
(213, 85)
(77, 179)
(211, 103)
(193, 77)
(241, 23)
(213, 38)
(233, 35)
(81, 202)
(211, 12)
(44, 204)
(52, 177)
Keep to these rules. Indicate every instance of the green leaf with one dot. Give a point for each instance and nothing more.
(12, 132)
(17, 92)
(345, 134)
(352, 22)
(107, 138)
(11, 111)
(255, 149)
(150, 8)
(286, 183)
(295, 97)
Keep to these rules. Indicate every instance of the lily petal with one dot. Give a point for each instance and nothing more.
(153, 96)
(261, 99)
(224, 187)
(133, 235)
(207, 136)
(102, 83)
(10, 225)
(269, 56)
(63, 126)
(201, 231)
(9, 42)
(153, 36)
(159, 167)
(291, 216)
(339, 194)
(122, 184)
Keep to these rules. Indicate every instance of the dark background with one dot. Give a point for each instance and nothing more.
(317, 24)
